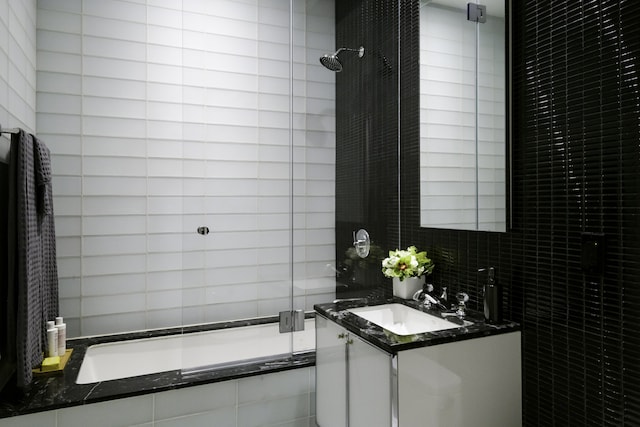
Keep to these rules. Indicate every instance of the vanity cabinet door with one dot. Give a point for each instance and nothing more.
(331, 374)
(353, 379)
(369, 385)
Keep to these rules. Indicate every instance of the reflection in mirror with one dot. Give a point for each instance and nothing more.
(462, 116)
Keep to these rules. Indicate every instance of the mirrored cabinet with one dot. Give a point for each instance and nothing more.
(463, 114)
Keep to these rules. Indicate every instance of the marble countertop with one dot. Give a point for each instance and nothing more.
(61, 391)
(392, 343)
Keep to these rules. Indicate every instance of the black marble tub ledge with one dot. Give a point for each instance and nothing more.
(61, 391)
(392, 343)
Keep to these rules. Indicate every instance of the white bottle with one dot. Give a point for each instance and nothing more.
(52, 342)
(62, 338)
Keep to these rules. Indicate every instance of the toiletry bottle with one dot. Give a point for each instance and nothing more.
(62, 336)
(492, 298)
(52, 342)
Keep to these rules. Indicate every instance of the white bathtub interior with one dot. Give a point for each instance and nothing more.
(191, 351)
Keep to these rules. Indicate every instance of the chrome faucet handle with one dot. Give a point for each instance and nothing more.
(462, 298)
(424, 300)
(443, 295)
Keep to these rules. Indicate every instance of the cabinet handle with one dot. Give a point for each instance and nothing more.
(342, 335)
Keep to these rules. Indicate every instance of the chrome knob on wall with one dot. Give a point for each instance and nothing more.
(362, 243)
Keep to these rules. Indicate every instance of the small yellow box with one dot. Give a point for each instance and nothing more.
(51, 364)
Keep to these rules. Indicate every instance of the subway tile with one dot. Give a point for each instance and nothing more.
(165, 187)
(113, 146)
(273, 412)
(164, 318)
(222, 417)
(114, 166)
(58, 123)
(70, 287)
(202, 23)
(273, 33)
(113, 245)
(55, 41)
(164, 55)
(164, 36)
(113, 304)
(70, 307)
(114, 186)
(110, 48)
(107, 87)
(114, 9)
(194, 400)
(62, 21)
(121, 412)
(230, 134)
(164, 148)
(164, 224)
(161, 111)
(42, 419)
(162, 300)
(273, 386)
(223, 8)
(116, 205)
(165, 280)
(230, 311)
(72, 6)
(113, 68)
(228, 169)
(169, 261)
(60, 83)
(68, 246)
(113, 264)
(66, 186)
(114, 127)
(69, 267)
(232, 81)
(113, 225)
(112, 323)
(165, 15)
(114, 29)
(68, 225)
(159, 129)
(168, 4)
(113, 284)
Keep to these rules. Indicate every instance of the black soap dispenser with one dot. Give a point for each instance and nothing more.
(492, 298)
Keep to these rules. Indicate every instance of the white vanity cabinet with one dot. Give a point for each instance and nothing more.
(353, 379)
(473, 382)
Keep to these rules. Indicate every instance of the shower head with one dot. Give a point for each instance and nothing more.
(331, 61)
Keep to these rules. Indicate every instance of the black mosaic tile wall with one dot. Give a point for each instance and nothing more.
(576, 170)
(576, 164)
(366, 141)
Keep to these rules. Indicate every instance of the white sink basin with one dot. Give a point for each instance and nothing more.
(402, 320)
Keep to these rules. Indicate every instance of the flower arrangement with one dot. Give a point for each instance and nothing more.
(407, 263)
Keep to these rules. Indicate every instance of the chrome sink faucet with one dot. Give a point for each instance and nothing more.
(426, 298)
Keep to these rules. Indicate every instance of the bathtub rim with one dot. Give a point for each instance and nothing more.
(56, 392)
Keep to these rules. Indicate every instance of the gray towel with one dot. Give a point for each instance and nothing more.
(33, 272)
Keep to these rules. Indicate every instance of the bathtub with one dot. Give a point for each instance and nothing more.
(191, 352)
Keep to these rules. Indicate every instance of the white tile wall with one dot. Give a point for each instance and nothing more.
(284, 398)
(17, 67)
(165, 115)
(447, 120)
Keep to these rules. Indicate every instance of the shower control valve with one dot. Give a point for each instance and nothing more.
(361, 242)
